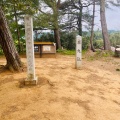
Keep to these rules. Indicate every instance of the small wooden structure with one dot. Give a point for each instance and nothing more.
(45, 49)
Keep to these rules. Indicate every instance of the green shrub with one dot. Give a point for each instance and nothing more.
(98, 44)
(85, 42)
(114, 39)
(45, 37)
(68, 40)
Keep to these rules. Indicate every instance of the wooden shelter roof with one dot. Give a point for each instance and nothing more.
(45, 43)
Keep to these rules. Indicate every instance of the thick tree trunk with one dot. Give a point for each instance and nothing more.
(18, 32)
(57, 38)
(56, 24)
(7, 44)
(104, 26)
(80, 21)
(92, 29)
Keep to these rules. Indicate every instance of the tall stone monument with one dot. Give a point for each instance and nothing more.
(31, 78)
(78, 61)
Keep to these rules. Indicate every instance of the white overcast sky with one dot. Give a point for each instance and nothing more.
(112, 18)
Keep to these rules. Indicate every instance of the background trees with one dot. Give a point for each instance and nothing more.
(76, 10)
(49, 19)
(12, 10)
(65, 18)
(15, 11)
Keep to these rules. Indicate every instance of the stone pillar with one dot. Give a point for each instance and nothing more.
(78, 61)
(31, 78)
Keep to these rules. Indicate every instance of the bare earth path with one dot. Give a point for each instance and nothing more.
(63, 93)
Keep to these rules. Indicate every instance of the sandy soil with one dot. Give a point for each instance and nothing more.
(63, 93)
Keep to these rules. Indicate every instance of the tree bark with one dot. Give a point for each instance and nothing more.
(92, 29)
(13, 60)
(104, 26)
(56, 25)
(57, 38)
(18, 32)
(80, 21)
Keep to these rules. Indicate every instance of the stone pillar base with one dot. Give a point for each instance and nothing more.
(31, 82)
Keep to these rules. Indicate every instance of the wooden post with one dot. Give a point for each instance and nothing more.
(78, 61)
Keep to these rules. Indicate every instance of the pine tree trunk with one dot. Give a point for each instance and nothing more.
(56, 24)
(104, 26)
(80, 21)
(92, 29)
(18, 32)
(57, 38)
(7, 44)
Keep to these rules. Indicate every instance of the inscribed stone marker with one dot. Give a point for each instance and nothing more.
(31, 78)
(78, 60)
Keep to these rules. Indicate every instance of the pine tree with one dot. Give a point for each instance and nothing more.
(12, 57)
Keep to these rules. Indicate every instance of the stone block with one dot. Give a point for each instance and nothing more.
(31, 82)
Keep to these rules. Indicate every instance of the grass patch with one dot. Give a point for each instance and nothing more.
(101, 55)
(66, 52)
(69, 52)
(104, 54)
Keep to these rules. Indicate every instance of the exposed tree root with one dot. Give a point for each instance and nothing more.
(4, 68)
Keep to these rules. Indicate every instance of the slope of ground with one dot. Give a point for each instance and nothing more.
(63, 93)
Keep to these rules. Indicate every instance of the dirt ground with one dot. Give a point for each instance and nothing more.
(63, 92)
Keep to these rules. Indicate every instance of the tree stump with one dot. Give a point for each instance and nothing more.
(117, 51)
